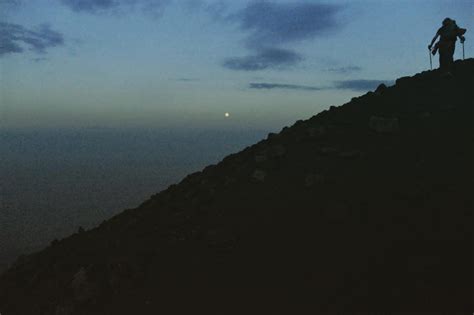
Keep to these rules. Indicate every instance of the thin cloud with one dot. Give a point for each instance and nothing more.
(264, 59)
(345, 70)
(40, 59)
(154, 7)
(272, 86)
(269, 26)
(354, 85)
(358, 85)
(91, 6)
(10, 4)
(14, 38)
(216, 9)
(273, 24)
(186, 80)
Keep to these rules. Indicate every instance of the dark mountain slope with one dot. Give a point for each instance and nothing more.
(366, 207)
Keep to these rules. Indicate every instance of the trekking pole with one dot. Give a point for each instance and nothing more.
(431, 61)
(462, 50)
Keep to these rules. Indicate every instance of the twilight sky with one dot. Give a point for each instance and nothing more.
(185, 63)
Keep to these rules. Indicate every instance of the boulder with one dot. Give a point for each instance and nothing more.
(315, 132)
(380, 89)
(83, 288)
(277, 151)
(314, 179)
(351, 154)
(229, 181)
(327, 151)
(261, 157)
(64, 310)
(271, 136)
(402, 81)
(259, 175)
(384, 124)
(425, 115)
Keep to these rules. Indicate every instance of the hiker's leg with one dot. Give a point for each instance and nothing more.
(442, 59)
(450, 56)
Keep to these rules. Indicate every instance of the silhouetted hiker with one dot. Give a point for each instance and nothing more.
(448, 34)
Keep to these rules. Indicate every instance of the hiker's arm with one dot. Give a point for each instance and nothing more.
(433, 40)
(461, 36)
(460, 32)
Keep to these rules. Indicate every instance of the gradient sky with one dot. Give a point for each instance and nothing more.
(182, 63)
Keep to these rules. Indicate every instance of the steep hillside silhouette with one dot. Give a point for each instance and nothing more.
(365, 207)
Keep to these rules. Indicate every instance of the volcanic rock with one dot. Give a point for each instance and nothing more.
(374, 216)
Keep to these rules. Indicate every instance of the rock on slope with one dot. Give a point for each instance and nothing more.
(366, 207)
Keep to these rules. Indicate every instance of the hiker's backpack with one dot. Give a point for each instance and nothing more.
(449, 33)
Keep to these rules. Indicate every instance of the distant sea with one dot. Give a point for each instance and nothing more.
(54, 181)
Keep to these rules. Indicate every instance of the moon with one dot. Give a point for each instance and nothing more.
(226, 115)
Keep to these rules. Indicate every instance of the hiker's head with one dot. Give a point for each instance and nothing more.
(447, 21)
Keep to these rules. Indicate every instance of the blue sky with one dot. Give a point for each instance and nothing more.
(170, 63)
